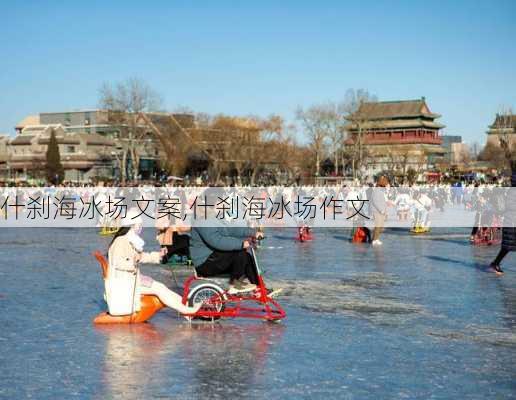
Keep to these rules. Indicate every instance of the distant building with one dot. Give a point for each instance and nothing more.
(449, 142)
(504, 125)
(84, 129)
(395, 136)
(98, 122)
(459, 153)
(4, 156)
(29, 120)
(84, 156)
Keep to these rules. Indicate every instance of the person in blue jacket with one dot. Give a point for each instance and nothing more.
(223, 250)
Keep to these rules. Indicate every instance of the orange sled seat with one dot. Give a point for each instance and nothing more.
(150, 304)
(360, 236)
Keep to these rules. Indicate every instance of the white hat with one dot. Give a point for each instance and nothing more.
(133, 217)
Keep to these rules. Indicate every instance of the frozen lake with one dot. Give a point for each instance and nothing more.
(419, 318)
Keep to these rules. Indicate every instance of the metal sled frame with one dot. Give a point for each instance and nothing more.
(256, 304)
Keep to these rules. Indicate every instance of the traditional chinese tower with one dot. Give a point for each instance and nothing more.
(395, 132)
(504, 126)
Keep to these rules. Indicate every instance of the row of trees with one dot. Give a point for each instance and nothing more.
(325, 125)
(248, 146)
(126, 101)
(243, 145)
(239, 146)
(251, 146)
(221, 144)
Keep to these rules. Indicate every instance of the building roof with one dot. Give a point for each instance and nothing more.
(94, 139)
(186, 120)
(452, 138)
(36, 130)
(432, 149)
(86, 110)
(22, 139)
(28, 120)
(67, 139)
(407, 148)
(368, 140)
(395, 109)
(504, 121)
(396, 124)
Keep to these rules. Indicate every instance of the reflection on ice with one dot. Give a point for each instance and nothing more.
(145, 358)
(130, 350)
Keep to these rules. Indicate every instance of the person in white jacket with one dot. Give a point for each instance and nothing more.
(124, 283)
(403, 204)
(422, 205)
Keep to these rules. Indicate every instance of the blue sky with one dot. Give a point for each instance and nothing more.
(261, 57)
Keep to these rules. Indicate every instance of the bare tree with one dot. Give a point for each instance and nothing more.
(333, 121)
(464, 156)
(283, 149)
(475, 149)
(247, 145)
(272, 146)
(173, 133)
(507, 126)
(351, 107)
(397, 160)
(501, 154)
(125, 101)
(314, 123)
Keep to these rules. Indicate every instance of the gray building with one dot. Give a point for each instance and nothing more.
(448, 144)
(84, 121)
(97, 122)
(84, 156)
(100, 124)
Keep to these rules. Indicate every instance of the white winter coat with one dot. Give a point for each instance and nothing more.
(122, 285)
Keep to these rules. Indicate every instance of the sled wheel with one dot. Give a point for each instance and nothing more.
(212, 295)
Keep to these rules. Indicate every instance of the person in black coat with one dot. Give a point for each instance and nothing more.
(223, 250)
(509, 225)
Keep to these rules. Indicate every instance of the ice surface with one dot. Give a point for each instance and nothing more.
(420, 317)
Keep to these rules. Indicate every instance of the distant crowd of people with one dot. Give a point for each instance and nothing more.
(411, 202)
